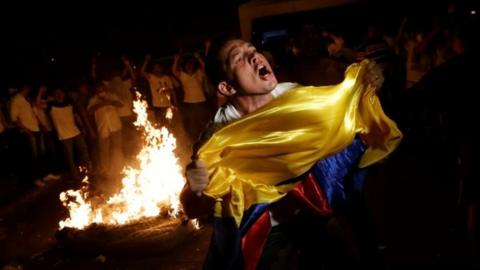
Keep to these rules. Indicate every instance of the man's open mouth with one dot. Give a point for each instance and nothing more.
(263, 71)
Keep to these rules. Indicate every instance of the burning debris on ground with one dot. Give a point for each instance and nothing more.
(146, 209)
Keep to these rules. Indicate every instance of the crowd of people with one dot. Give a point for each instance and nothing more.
(88, 127)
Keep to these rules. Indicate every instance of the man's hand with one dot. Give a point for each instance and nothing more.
(373, 75)
(197, 176)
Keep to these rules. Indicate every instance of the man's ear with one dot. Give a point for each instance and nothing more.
(226, 89)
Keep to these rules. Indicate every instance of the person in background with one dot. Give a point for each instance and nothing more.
(48, 141)
(65, 120)
(120, 84)
(161, 88)
(104, 106)
(337, 49)
(88, 122)
(24, 118)
(195, 107)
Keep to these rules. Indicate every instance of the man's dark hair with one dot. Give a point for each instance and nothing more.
(214, 66)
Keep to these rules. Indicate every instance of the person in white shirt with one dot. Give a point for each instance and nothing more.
(65, 121)
(195, 107)
(121, 84)
(87, 121)
(104, 106)
(48, 140)
(40, 109)
(162, 89)
(121, 88)
(23, 117)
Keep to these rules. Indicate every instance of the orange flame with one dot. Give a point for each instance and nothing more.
(147, 188)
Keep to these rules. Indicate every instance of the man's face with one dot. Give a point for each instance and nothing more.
(59, 95)
(157, 69)
(248, 71)
(190, 67)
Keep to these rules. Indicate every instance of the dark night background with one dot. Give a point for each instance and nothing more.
(70, 33)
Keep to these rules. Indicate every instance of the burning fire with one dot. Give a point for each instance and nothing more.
(147, 189)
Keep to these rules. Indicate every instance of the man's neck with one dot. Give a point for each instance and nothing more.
(248, 104)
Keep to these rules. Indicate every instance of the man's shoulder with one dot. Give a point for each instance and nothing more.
(19, 101)
(226, 114)
(282, 88)
(16, 98)
(183, 75)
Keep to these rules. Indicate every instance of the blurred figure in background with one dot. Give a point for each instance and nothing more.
(161, 89)
(104, 105)
(191, 74)
(66, 121)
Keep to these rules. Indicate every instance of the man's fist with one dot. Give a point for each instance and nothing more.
(197, 176)
(373, 75)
